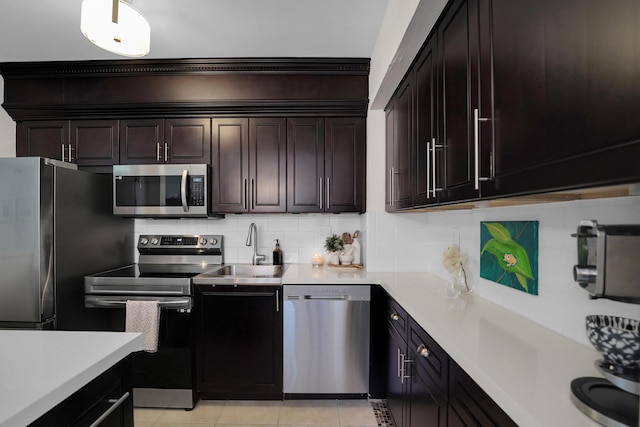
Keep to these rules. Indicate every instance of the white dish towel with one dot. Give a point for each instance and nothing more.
(144, 317)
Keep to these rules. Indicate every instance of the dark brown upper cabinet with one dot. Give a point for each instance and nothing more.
(457, 101)
(46, 138)
(425, 158)
(527, 102)
(325, 165)
(94, 142)
(177, 140)
(88, 143)
(566, 106)
(249, 167)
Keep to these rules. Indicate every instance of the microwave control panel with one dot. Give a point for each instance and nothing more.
(196, 190)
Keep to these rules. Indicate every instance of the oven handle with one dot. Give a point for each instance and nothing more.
(175, 304)
(183, 190)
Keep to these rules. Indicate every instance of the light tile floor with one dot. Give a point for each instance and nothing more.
(290, 413)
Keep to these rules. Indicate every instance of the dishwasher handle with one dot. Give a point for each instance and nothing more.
(325, 298)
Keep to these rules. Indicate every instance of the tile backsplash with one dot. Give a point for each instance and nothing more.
(300, 236)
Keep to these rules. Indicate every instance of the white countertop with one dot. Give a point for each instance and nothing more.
(39, 369)
(526, 368)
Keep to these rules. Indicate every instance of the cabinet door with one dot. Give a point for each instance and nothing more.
(424, 157)
(239, 342)
(402, 151)
(429, 379)
(457, 45)
(396, 390)
(230, 172)
(305, 165)
(268, 164)
(344, 164)
(94, 142)
(188, 141)
(47, 138)
(470, 405)
(566, 105)
(142, 141)
(427, 405)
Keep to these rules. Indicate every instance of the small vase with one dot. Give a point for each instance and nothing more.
(458, 283)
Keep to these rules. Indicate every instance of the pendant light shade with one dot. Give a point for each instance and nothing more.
(116, 26)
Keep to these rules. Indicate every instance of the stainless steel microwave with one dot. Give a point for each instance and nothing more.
(155, 191)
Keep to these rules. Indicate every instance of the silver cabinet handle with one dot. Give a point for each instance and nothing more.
(434, 167)
(404, 368)
(166, 152)
(394, 316)
(183, 190)
(389, 198)
(277, 301)
(399, 363)
(321, 193)
(157, 151)
(393, 187)
(70, 154)
(246, 194)
(476, 142)
(62, 145)
(429, 167)
(328, 198)
(253, 194)
(423, 351)
(115, 403)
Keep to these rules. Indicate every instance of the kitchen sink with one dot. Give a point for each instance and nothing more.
(242, 274)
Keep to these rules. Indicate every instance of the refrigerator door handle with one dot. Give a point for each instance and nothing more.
(47, 283)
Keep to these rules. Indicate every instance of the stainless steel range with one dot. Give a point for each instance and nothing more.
(164, 273)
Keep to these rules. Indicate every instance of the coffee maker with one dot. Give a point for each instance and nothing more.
(609, 267)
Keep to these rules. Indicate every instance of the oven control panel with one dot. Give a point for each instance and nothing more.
(181, 243)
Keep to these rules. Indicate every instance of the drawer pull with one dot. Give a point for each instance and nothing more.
(423, 350)
(394, 316)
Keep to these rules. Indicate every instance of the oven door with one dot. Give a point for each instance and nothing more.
(164, 379)
(160, 190)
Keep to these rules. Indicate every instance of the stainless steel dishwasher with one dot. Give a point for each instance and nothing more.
(326, 339)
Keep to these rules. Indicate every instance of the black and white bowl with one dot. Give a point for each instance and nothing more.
(617, 338)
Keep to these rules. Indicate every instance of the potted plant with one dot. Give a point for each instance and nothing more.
(334, 245)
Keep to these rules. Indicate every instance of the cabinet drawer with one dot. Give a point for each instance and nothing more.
(397, 318)
(426, 353)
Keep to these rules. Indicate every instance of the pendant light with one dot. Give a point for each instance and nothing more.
(116, 26)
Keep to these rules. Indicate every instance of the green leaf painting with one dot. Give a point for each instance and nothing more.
(509, 254)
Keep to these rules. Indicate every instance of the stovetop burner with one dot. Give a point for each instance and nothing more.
(604, 402)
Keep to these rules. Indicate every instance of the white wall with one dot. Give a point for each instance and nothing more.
(7, 129)
(415, 241)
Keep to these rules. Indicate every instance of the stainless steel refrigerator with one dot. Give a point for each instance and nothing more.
(56, 226)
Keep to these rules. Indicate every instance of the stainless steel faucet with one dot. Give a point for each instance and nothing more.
(253, 239)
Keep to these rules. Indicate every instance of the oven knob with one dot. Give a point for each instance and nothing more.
(154, 241)
(214, 241)
(203, 241)
(144, 240)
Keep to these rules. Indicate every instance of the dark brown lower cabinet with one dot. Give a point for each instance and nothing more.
(239, 342)
(469, 405)
(424, 386)
(108, 398)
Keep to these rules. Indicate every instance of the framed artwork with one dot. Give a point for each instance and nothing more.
(509, 254)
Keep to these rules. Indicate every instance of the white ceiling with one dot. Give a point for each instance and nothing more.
(49, 30)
